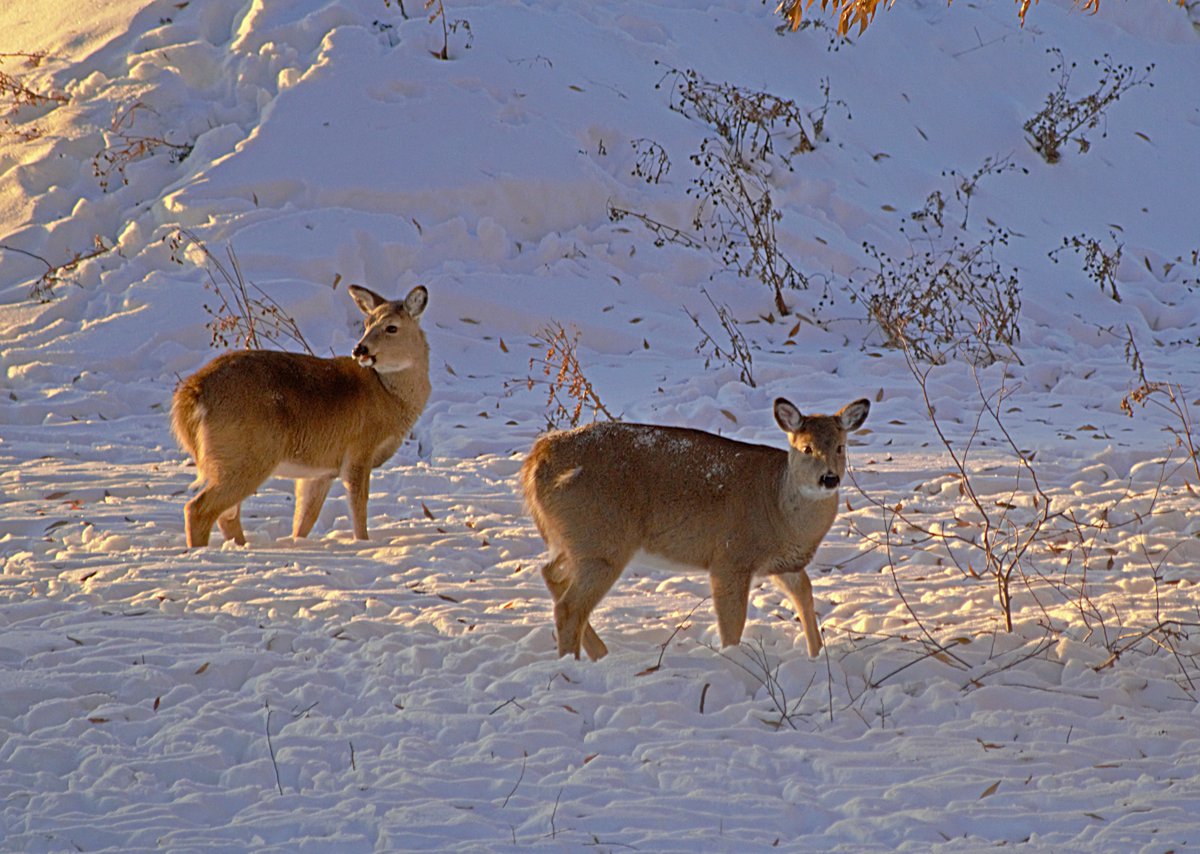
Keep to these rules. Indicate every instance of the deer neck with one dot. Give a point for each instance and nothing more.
(409, 386)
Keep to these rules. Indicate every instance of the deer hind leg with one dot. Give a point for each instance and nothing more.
(558, 581)
(217, 501)
(586, 585)
(310, 496)
(798, 588)
(731, 595)
(227, 484)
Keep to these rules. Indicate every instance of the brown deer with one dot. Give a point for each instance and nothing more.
(248, 415)
(600, 494)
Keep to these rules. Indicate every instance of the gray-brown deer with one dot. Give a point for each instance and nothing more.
(600, 494)
(248, 415)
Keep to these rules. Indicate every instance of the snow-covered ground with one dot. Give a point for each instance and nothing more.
(403, 693)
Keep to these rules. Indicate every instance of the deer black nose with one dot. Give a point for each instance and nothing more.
(359, 350)
(830, 481)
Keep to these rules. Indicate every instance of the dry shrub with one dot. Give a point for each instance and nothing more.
(245, 315)
(569, 391)
(43, 287)
(1064, 119)
(1099, 263)
(123, 146)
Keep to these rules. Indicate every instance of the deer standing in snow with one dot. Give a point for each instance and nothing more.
(248, 415)
(601, 493)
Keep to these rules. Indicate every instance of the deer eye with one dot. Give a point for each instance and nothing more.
(808, 449)
(841, 449)
(392, 330)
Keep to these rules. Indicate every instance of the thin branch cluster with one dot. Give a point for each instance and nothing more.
(244, 315)
(569, 391)
(123, 146)
(1064, 119)
(42, 289)
(736, 352)
(1099, 263)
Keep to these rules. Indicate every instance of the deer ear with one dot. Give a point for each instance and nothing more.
(416, 301)
(787, 416)
(854, 414)
(365, 298)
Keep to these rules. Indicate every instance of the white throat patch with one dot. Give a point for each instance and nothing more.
(390, 369)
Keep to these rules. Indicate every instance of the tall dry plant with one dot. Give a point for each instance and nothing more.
(123, 146)
(1099, 262)
(569, 391)
(736, 217)
(1064, 119)
(736, 353)
(1167, 397)
(244, 315)
(19, 94)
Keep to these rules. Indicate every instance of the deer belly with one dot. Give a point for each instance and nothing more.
(296, 471)
(385, 450)
(662, 563)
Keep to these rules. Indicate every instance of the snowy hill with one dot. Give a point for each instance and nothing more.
(403, 693)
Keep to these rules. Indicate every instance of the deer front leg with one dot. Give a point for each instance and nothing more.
(310, 495)
(358, 479)
(798, 588)
(731, 595)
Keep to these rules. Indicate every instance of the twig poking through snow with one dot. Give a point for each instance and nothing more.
(662, 650)
(553, 813)
(271, 748)
(520, 777)
(511, 701)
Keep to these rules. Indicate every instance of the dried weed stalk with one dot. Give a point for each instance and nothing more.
(123, 146)
(736, 217)
(758, 665)
(1168, 397)
(436, 10)
(245, 315)
(736, 353)
(653, 163)
(569, 391)
(756, 132)
(1005, 532)
(753, 124)
(43, 287)
(1063, 119)
(950, 295)
(17, 93)
(944, 299)
(1011, 539)
(663, 233)
(964, 188)
(1098, 262)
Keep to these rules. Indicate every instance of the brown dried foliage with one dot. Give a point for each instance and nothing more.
(860, 13)
(569, 390)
